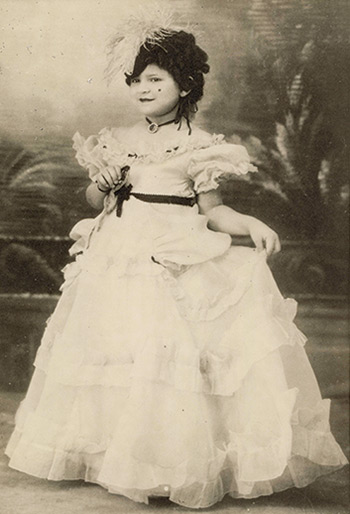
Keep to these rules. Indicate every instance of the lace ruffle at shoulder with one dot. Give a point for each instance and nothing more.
(212, 165)
(96, 152)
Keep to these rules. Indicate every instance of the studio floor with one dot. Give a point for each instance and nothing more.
(22, 494)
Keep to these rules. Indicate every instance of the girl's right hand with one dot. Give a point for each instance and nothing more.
(111, 177)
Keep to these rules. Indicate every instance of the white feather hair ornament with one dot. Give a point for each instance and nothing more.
(145, 26)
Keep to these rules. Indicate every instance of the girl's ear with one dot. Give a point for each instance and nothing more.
(184, 93)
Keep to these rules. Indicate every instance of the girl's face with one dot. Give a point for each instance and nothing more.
(155, 93)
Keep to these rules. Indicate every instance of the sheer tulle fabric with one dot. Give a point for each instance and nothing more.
(220, 401)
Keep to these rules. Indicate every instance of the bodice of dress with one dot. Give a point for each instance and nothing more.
(180, 166)
(183, 165)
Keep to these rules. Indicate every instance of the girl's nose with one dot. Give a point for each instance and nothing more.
(145, 89)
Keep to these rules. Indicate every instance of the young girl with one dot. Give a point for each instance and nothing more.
(171, 365)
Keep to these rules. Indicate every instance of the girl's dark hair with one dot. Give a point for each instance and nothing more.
(180, 56)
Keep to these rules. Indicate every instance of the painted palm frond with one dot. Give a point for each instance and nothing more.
(40, 188)
(299, 64)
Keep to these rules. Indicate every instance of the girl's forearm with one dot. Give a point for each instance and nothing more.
(94, 197)
(224, 219)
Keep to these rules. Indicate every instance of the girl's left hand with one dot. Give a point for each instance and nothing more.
(264, 237)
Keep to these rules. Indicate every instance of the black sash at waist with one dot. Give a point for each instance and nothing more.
(154, 198)
(125, 192)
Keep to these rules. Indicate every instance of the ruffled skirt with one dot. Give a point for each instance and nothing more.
(191, 383)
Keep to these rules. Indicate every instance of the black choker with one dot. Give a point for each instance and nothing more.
(153, 127)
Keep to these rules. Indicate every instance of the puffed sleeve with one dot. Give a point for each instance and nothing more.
(215, 164)
(96, 152)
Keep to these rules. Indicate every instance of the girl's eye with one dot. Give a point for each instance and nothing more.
(155, 79)
(135, 81)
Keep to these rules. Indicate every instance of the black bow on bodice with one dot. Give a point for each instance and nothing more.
(122, 195)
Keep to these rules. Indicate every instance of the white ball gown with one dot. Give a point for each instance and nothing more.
(171, 364)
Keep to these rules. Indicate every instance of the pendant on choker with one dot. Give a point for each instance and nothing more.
(154, 127)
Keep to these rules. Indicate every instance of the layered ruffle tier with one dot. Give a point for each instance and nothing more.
(182, 376)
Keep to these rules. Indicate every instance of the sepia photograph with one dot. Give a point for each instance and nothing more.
(174, 256)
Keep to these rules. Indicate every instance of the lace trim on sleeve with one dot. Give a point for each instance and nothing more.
(95, 153)
(211, 166)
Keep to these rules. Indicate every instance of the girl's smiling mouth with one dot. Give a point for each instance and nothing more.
(146, 99)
